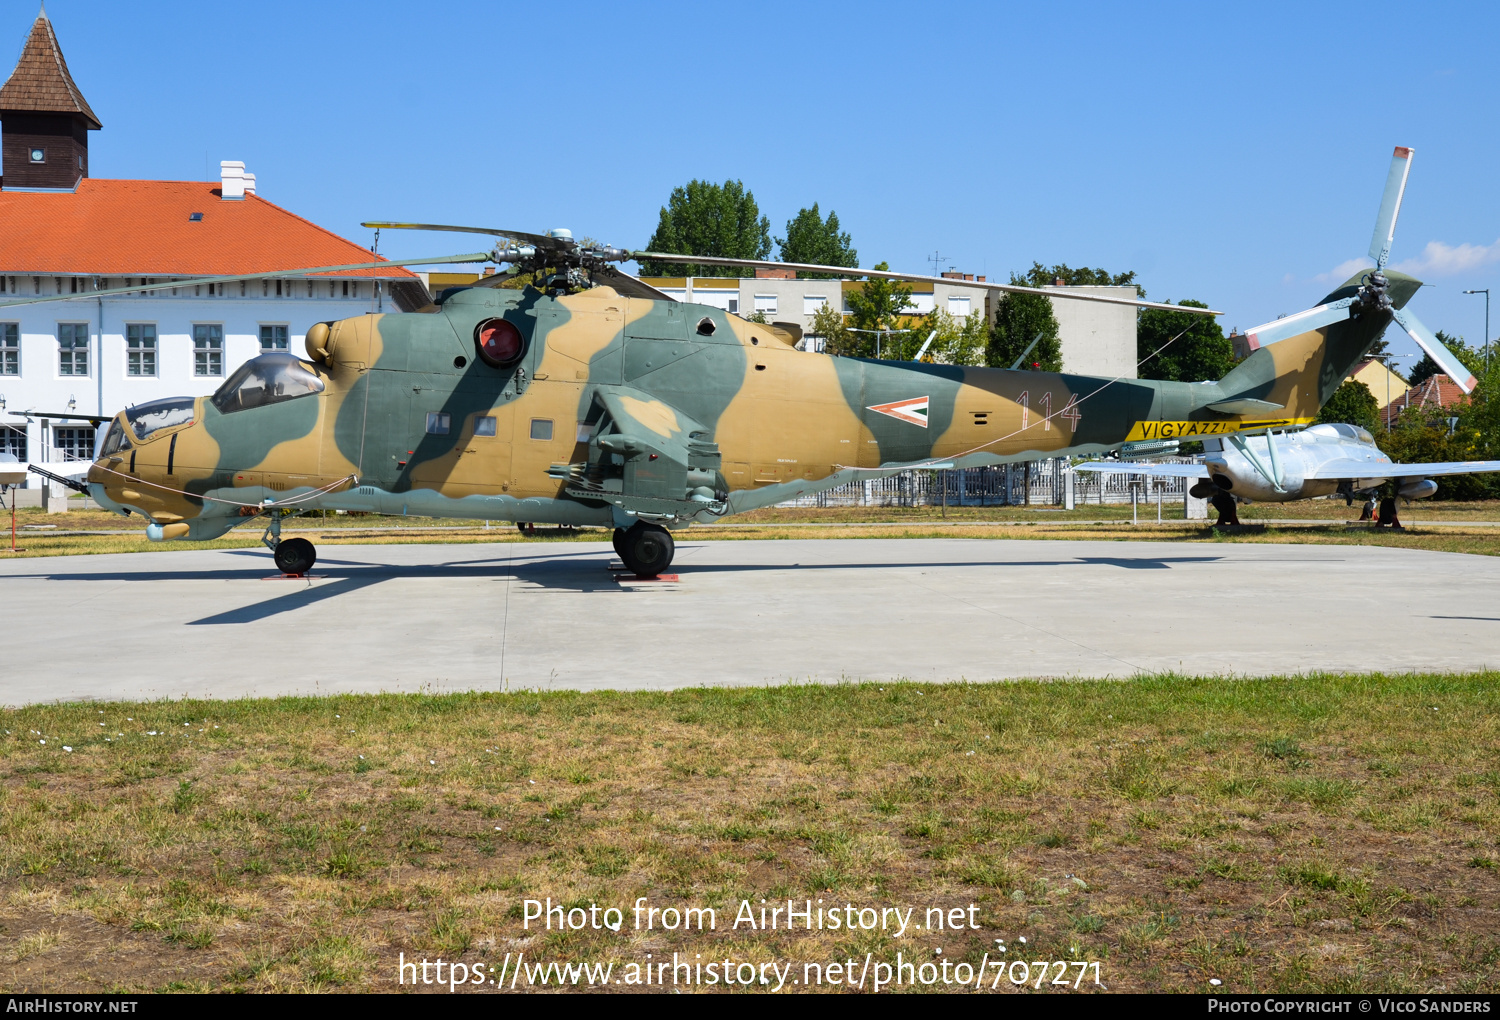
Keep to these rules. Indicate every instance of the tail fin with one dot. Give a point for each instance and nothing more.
(1297, 362)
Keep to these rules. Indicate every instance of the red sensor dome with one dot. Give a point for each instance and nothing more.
(499, 342)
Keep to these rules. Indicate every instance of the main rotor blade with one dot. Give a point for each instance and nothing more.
(710, 260)
(628, 286)
(1390, 206)
(482, 256)
(537, 240)
(1435, 350)
(1302, 322)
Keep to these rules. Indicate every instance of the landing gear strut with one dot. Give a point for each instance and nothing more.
(645, 549)
(1228, 512)
(295, 556)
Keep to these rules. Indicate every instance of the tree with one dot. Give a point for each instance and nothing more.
(828, 323)
(812, 239)
(1019, 319)
(878, 305)
(957, 341)
(1427, 368)
(1353, 404)
(1042, 276)
(1202, 351)
(702, 218)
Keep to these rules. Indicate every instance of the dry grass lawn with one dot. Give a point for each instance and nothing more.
(1445, 530)
(1319, 833)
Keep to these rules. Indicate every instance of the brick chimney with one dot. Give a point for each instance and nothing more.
(762, 273)
(44, 119)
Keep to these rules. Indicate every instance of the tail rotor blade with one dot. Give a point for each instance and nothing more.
(1435, 350)
(1390, 206)
(1302, 322)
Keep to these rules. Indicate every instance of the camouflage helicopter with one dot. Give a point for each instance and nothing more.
(589, 398)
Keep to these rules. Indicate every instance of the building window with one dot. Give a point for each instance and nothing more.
(10, 348)
(208, 349)
(734, 306)
(273, 338)
(541, 428)
(958, 307)
(74, 442)
(484, 425)
(73, 348)
(13, 441)
(811, 303)
(140, 348)
(438, 423)
(765, 302)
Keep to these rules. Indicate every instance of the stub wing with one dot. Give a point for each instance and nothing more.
(1152, 470)
(1381, 469)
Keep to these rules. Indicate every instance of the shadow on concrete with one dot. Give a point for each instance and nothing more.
(581, 572)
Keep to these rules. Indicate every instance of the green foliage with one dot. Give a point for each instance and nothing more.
(1042, 276)
(878, 304)
(1019, 319)
(703, 218)
(1202, 351)
(1424, 434)
(1472, 359)
(828, 323)
(1354, 404)
(958, 341)
(812, 239)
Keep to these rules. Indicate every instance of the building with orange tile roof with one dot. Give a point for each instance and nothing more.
(64, 233)
(1432, 395)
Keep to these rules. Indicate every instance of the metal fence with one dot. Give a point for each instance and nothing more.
(1037, 483)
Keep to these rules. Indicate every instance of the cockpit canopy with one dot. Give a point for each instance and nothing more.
(268, 379)
(1343, 431)
(151, 417)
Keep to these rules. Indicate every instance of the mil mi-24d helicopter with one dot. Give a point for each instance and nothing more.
(589, 398)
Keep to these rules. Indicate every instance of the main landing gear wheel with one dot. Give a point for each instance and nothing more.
(618, 538)
(646, 549)
(295, 556)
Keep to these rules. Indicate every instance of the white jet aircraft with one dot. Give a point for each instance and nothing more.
(1322, 460)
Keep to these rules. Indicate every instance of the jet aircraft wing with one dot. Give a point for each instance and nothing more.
(1381, 469)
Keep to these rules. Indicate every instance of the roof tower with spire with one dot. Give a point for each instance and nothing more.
(44, 119)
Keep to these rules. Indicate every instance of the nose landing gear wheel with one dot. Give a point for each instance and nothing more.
(295, 556)
(646, 549)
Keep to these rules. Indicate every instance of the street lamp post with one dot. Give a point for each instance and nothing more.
(1486, 292)
(1389, 358)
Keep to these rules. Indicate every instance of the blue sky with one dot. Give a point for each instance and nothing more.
(1231, 153)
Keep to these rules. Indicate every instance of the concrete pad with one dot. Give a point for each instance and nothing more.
(207, 623)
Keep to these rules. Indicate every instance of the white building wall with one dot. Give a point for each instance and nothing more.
(1097, 338)
(108, 387)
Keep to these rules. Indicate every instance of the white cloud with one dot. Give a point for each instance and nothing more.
(1439, 259)
(1342, 271)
